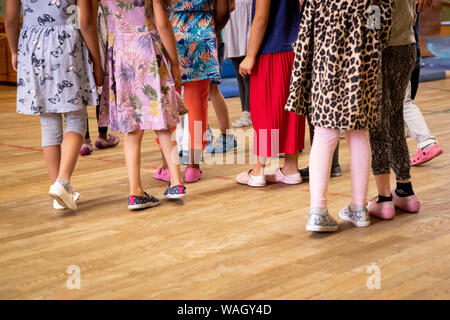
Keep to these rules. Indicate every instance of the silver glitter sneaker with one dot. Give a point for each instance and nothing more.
(321, 222)
(359, 218)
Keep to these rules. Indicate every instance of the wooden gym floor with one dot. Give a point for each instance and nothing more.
(224, 241)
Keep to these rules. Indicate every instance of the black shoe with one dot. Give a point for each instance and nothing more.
(336, 171)
(175, 192)
(136, 202)
(304, 173)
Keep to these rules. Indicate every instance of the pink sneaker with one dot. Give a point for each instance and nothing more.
(110, 141)
(383, 210)
(252, 181)
(162, 174)
(86, 149)
(192, 175)
(279, 176)
(409, 204)
(425, 155)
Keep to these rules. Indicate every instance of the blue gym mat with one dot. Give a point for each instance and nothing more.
(434, 69)
(229, 86)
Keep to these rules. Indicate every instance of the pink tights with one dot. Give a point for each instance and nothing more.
(325, 141)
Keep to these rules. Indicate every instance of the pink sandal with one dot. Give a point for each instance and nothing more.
(425, 155)
(162, 174)
(279, 177)
(410, 204)
(110, 141)
(247, 179)
(192, 175)
(383, 210)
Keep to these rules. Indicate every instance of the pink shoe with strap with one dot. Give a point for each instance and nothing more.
(425, 155)
(279, 177)
(410, 204)
(383, 210)
(252, 181)
(110, 141)
(162, 174)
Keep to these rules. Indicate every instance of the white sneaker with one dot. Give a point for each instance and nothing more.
(57, 206)
(62, 196)
(244, 121)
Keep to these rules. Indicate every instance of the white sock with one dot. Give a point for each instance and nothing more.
(321, 211)
(356, 207)
(64, 183)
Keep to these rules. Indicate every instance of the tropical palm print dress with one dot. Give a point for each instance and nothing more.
(193, 23)
(54, 69)
(139, 91)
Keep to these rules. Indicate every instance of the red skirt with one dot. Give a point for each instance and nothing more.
(275, 129)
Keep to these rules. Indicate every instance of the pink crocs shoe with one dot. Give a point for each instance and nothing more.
(110, 141)
(192, 175)
(425, 155)
(162, 174)
(383, 210)
(409, 204)
(252, 181)
(279, 176)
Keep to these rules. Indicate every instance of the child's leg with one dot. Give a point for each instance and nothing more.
(360, 158)
(196, 98)
(73, 139)
(87, 136)
(52, 136)
(357, 212)
(325, 141)
(163, 160)
(290, 164)
(102, 131)
(220, 107)
(86, 147)
(260, 165)
(242, 93)
(132, 151)
(400, 161)
(311, 139)
(170, 155)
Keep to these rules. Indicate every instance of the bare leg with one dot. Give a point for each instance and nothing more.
(70, 150)
(290, 164)
(52, 157)
(383, 184)
(220, 107)
(132, 151)
(164, 162)
(258, 168)
(170, 155)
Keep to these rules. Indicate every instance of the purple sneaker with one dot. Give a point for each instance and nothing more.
(86, 149)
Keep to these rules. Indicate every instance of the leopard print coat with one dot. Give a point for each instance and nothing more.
(337, 76)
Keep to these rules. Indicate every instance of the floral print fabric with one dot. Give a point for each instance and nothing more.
(138, 92)
(193, 24)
